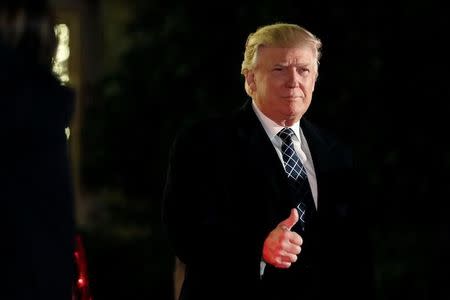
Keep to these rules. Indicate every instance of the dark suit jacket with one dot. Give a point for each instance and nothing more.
(226, 190)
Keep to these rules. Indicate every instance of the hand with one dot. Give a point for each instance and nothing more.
(282, 245)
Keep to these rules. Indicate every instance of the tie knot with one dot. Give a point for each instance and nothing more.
(286, 134)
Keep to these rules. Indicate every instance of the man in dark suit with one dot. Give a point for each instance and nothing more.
(261, 204)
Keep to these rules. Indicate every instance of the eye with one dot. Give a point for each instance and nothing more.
(303, 70)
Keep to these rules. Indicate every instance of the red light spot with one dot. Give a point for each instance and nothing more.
(81, 282)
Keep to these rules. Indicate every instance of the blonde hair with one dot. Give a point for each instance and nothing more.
(278, 35)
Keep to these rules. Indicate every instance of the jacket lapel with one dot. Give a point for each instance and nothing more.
(322, 160)
(264, 161)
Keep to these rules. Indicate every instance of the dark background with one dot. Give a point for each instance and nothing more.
(382, 87)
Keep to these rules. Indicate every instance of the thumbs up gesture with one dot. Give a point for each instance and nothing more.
(282, 245)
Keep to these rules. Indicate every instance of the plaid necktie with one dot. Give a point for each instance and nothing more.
(296, 173)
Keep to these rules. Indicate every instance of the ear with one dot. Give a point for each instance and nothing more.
(250, 81)
(316, 76)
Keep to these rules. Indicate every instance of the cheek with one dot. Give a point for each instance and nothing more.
(276, 87)
(311, 85)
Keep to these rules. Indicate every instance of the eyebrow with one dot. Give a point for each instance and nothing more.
(296, 65)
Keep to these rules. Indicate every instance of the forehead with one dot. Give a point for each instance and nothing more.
(284, 55)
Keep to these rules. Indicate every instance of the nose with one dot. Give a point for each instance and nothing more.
(292, 78)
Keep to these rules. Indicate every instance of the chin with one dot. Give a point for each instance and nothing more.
(293, 115)
(296, 110)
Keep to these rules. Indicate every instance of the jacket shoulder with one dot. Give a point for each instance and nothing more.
(329, 141)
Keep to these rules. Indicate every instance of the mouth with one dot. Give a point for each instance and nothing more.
(292, 97)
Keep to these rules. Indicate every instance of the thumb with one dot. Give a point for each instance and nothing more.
(292, 220)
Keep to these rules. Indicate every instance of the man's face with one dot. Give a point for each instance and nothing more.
(282, 82)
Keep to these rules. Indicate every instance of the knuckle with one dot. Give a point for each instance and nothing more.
(283, 227)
